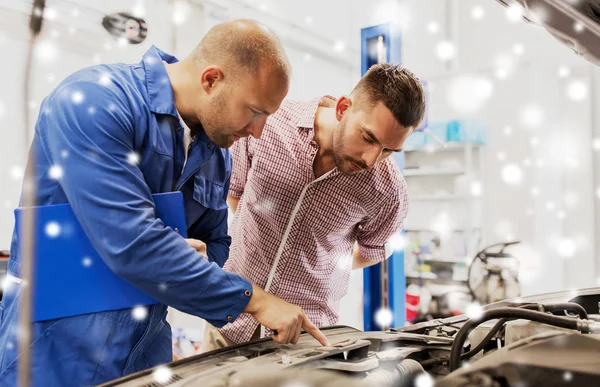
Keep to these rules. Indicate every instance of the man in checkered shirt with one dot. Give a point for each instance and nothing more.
(318, 195)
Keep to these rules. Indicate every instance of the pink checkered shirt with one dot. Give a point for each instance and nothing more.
(292, 234)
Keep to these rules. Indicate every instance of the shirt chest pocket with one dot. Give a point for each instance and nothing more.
(209, 194)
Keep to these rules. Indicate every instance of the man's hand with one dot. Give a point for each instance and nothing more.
(197, 245)
(282, 317)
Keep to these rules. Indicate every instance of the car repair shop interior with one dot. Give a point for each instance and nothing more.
(501, 175)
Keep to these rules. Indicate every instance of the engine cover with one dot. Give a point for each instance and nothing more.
(548, 359)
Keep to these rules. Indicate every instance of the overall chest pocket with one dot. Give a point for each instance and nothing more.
(209, 194)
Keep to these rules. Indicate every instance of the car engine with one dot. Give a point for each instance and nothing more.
(547, 340)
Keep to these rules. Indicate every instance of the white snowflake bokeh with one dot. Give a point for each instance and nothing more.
(535, 191)
(539, 163)
(433, 27)
(77, 97)
(468, 93)
(550, 206)
(577, 90)
(578, 27)
(383, 317)
(501, 156)
(563, 71)
(505, 65)
(180, 12)
(568, 376)
(133, 158)
(56, 172)
(476, 188)
(52, 229)
(162, 374)
(105, 79)
(424, 380)
(508, 130)
(17, 172)
(50, 13)
(139, 313)
(474, 311)
(397, 242)
(445, 50)
(518, 49)
(514, 13)
(138, 9)
(501, 73)
(122, 42)
(566, 247)
(532, 116)
(86, 261)
(339, 46)
(46, 51)
(512, 174)
(477, 12)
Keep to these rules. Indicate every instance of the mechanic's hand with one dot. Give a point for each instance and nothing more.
(282, 317)
(197, 245)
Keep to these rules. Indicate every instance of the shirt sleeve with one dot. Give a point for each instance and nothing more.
(242, 161)
(375, 231)
(113, 203)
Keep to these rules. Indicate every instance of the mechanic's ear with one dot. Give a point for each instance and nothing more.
(343, 104)
(209, 78)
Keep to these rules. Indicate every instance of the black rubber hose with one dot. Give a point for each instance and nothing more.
(568, 306)
(495, 329)
(509, 313)
(434, 361)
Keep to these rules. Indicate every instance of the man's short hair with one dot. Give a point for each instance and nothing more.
(399, 90)
(246, 45)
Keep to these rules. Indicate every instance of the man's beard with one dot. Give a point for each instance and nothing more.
(213, 125)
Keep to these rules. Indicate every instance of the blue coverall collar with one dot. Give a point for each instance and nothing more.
(160, 91)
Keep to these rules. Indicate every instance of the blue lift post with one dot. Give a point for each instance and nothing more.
(393, 279)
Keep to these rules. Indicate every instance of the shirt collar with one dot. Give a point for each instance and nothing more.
(158, 84)
(306, 118)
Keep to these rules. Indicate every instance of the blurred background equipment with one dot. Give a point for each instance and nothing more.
(494, 275)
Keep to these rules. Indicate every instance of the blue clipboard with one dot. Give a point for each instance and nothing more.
(70, 278)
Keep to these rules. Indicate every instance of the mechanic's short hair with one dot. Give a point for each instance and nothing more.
(245, 45)
(398, 89)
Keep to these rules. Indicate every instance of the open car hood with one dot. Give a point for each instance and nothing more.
(575, 23)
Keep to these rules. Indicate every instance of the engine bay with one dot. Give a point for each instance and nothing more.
(547, 340)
